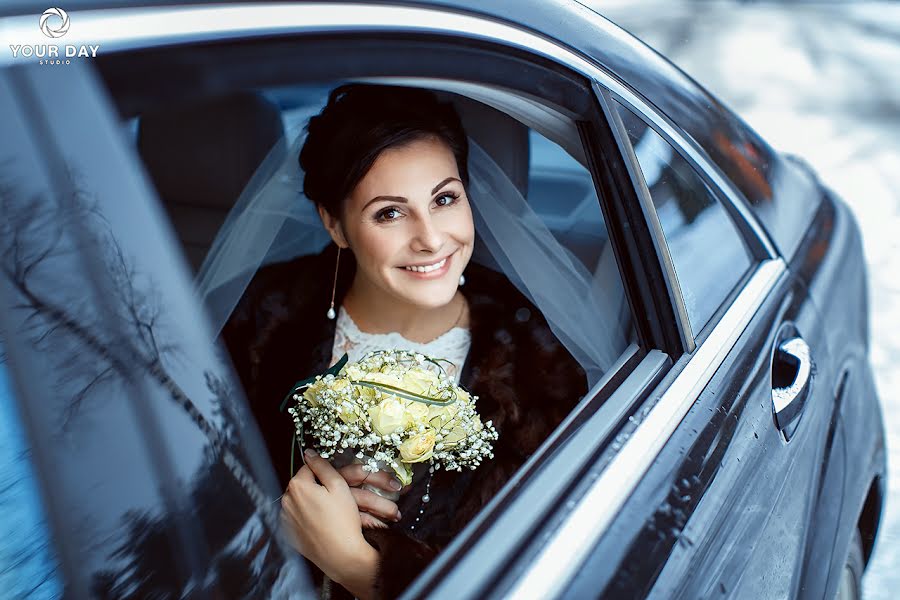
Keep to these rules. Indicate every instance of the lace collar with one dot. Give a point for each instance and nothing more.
(452, 345)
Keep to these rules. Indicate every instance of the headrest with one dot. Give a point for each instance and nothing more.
(501, 136)
(204, 154)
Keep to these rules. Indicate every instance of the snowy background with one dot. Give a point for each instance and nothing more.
(820, 80)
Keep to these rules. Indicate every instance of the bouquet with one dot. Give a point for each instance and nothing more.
(391, 410)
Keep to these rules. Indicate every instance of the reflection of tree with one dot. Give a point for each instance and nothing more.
(125, 340)
(152, 571)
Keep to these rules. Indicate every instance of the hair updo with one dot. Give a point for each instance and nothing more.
(362, 121)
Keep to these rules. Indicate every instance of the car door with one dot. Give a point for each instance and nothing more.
(170, 444)
(739, 439)
(145, 463)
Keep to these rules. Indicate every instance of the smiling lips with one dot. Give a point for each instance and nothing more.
(435, 269)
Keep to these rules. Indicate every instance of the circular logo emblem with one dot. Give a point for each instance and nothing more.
(61, 29)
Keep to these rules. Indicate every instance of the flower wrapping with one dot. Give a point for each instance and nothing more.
(392, 407)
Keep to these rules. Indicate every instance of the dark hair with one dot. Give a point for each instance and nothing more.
(362, 121)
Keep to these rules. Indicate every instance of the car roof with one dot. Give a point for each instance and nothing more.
(561, 20)
(652, 77)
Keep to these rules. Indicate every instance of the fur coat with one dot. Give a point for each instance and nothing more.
(527, 382)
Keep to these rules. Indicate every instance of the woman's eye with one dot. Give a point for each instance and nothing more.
(388, 214)
(446, 199)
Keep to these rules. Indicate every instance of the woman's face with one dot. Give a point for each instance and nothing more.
(409, 224)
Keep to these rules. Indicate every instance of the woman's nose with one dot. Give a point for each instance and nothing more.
(427, 237)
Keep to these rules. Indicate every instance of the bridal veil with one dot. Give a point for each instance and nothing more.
(273, 221)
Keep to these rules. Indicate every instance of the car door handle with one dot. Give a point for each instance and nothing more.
(791, 376)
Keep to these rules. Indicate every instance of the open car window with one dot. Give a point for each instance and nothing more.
(558, 188)
(539, 143)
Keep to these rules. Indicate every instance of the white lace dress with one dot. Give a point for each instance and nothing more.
(453, 345)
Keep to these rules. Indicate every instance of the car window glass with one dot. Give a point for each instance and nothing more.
(148, 447)
(709, 255)
(28, 566)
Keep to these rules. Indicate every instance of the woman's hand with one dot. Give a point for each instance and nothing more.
(374, 510)
(324, 525)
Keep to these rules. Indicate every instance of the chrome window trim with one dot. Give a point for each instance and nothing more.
(733, 200)
(132, 28)
(571, 544)
(660, 245)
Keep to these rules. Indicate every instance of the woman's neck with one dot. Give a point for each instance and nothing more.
(373, 311)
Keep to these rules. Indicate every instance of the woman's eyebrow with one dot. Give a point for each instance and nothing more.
(399, 199)
(443, 183)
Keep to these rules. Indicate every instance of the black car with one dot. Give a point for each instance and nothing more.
(733, 447)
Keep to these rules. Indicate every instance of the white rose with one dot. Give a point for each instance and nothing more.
(441, 414)
(419, 381)
(354, 371)
(417, 411)
(388, 417)
(418, 448)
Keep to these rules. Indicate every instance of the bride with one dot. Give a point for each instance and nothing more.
(387, 170)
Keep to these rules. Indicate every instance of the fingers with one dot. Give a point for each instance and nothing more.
(323, 471)
(300, 485)
(370, 522)
(374, 504)
(304, 475)
(354, 475)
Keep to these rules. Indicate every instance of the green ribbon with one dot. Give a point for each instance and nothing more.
(333, 370)
(405, 394)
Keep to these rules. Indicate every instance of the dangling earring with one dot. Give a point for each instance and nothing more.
(462, 279)
(331, 314)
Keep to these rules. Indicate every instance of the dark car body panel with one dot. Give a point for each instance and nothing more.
(725, 510)
(730, 506)
(832, 266)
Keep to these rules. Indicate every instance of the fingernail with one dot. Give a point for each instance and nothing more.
(310, 453)
(398, 517)
(395, 485)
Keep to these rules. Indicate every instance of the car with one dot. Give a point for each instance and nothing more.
(731, 443)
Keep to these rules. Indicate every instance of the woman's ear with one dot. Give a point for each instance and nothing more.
(333, 225)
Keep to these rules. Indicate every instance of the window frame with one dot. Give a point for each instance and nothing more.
(755, 239)
(554, 559)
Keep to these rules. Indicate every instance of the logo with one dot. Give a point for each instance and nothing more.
(54, 23)
(59, 31)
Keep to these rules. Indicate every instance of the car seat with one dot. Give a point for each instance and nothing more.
(201, 156)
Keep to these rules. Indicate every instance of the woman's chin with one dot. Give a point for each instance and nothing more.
(429, 294)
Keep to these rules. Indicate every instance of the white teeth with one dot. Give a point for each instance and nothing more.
(427, 269)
